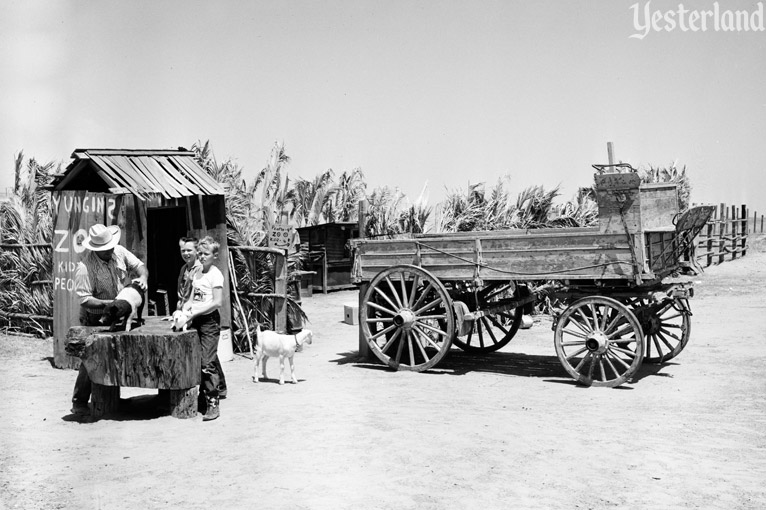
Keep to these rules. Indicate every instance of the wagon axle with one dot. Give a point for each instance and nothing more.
(405, 319)
(597, 342)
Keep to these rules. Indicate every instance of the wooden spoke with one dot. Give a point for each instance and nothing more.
(407, 318)
(426, 292)
(383, 332)
(491, 331)
(425, 337)
(413, 295)
(380, 308)
(388, 300)
(666, 326)
(431, 328)
(391, 340)
(575, 333)
(395, 293)
(430, 305)
(610, 346)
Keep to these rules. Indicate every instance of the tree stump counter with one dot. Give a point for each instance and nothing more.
(152, 356)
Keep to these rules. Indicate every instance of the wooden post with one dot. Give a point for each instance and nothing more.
(734, 232)
(721, 233)
(710, 230)
(280, 289)
(745, 228)
(610, 153)
(362, 218)
(324, 271)
(105, 400)
(364, 349)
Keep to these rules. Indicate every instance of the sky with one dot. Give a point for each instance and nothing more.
(436, 94)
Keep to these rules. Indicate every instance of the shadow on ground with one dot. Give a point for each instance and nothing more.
(138, 408)
(514, 364)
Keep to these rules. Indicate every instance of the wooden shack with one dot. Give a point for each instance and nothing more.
(330, 254)
(156, 197)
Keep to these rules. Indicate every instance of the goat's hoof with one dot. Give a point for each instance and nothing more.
(281, 382)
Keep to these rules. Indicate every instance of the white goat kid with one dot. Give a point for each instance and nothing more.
(270, 344)
(180, 320)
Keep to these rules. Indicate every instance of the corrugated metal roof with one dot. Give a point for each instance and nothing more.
(172, 173)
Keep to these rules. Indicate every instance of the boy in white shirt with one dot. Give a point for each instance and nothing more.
(206, 300)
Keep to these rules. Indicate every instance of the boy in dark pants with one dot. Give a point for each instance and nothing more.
(206, 300)
(188, 247)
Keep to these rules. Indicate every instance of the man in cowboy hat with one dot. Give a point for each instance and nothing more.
(104, 270)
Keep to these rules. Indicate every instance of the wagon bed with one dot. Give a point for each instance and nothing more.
(422, 294)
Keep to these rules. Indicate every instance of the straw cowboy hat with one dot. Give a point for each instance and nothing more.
(101, 238)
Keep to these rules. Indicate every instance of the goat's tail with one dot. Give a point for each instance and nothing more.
(257, 333)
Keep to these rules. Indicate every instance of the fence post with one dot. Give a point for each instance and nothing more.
(745, 228)
(734, 232)
(721, 232)
(710, 230)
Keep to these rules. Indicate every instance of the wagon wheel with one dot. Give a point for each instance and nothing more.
(407, 318)
(491, 332)
(666, 326)
(599, 341)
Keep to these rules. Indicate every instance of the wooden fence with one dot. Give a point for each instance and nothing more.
(757, 224)
(724, 237)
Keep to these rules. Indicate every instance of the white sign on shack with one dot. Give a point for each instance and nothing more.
(279, 236)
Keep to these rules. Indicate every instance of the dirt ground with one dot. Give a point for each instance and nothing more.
(508, 430)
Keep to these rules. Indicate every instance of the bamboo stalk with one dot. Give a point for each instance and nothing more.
(233, 278)
(30, 245)
(25, 316)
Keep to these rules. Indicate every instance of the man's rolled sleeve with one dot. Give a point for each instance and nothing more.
(82, 286)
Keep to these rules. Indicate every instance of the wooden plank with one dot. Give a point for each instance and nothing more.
(171, 176)
(167, 183)
(189, 177)
(131, 182)
(145, 177)
(74, 213)
(112, 179)
(151, 177)
(178, 181)
(659, 206)
(134, 152)
(201, 177)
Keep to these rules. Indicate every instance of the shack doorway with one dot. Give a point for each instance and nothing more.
(165, 226)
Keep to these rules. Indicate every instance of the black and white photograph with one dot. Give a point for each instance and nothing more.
(382, 254)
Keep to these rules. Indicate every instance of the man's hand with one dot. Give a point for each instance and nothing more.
(141, 282)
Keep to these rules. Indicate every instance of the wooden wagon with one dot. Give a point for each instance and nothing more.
(423, 294)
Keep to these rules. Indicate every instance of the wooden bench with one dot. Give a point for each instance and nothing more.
(152, 356)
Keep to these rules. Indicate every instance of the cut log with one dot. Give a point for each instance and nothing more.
(105, 400)
(183, 403)
(152, 356)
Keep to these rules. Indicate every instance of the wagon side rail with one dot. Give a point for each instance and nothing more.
(550, 254)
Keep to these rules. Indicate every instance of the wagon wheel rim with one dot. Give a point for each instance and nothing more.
(407, 318)
(666, 326)
(492, 332)
(599, 342)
